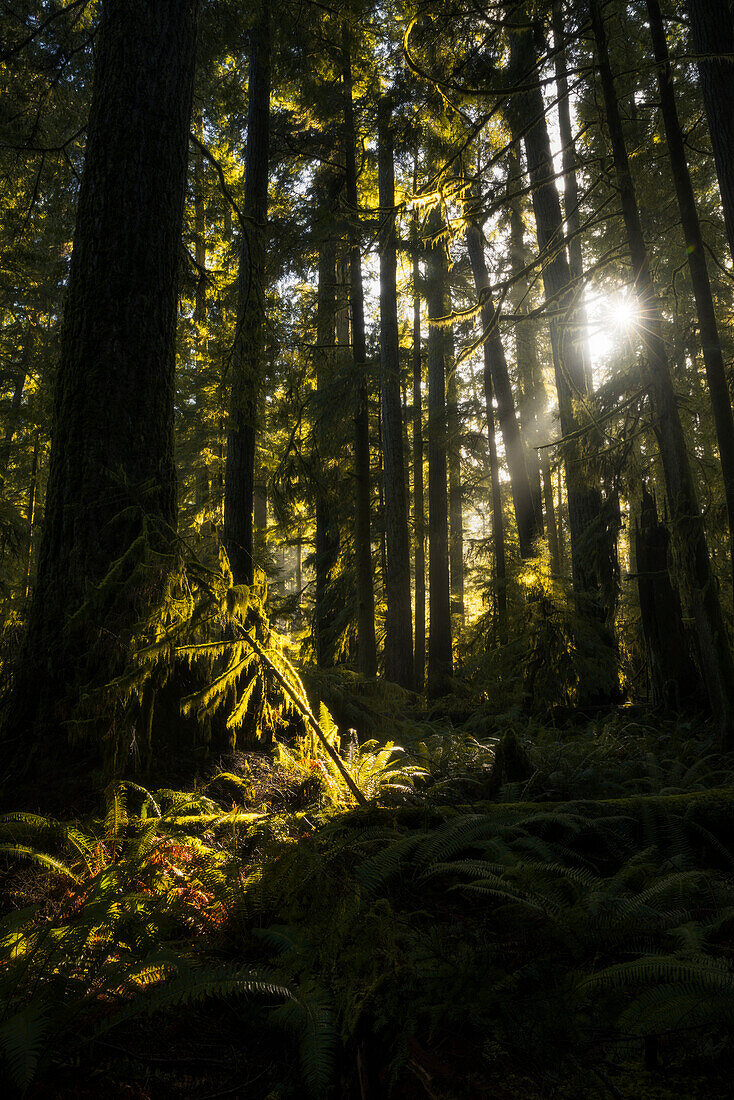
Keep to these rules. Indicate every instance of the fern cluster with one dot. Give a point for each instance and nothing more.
(532, 925)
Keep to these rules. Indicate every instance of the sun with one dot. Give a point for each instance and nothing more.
(624, 312)
(613, 320)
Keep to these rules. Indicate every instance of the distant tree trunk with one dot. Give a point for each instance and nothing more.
(674, 678)
(712, 31)
(299, 571)
(570, 182)
(532, 398)
(246, 362)
(199, 225)
(530, 376)
(688, 529)
(6, 445)
(202, 487)
(554, 542)
(112, 489)
(568, 146)
(327, 516)
(712, 355)
(456, 510)
(518, 459)
(498, 520)
(260, 510)
(399, 627)
(381, 490)
(440, 658)
(419, 520)
(584, 500)
(559, 519)
(366, 645)
(31, 511)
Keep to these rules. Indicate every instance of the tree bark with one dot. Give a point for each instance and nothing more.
(498, 520)
(399, 628)
(570, 182)
(246, 364)
(530, 376)
(688, 529)
(568, 146)
(697, 266)
(366, 644)
(712, 31)
(674, 678)
(419, 519)
(199, 226)
(518, 459)
(112, 490)
(31, 511)
(440, 658)
(456, 516)
(528, 116)
(327, 515)
(11, 427)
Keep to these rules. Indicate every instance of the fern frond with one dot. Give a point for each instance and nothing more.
(41, 859)
(22, 1039)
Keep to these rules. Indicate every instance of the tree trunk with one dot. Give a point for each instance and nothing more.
(366, 644)
(419, 520)
(111, 495)
(31, 511)
(528, 112)
(246, 364)
(498, 521)
(568, 146)
(327, 514)
(399, 627)
(199, 226)
(260, 509)
(712, 31)
(686, 517)
(530, 376)
(456, 517)
(712, 355)
(440, 658)
(674, 678)
(518, 459)
(570, 183)
(12, 422)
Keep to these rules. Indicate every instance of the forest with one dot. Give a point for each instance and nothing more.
(367, 549)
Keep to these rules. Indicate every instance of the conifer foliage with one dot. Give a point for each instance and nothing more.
(366, 547)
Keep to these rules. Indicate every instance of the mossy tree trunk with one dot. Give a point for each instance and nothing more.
(111, 497)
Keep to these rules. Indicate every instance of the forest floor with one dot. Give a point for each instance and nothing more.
(521, 910)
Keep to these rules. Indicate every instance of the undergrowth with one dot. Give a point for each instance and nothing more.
(525, 912)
